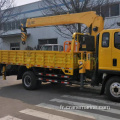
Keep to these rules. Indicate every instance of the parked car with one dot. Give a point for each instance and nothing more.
(52, 47)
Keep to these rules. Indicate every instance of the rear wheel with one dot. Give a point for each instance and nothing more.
(30, 81)
(113, 89)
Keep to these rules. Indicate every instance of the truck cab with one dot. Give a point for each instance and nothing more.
(109, 62)
(109, 50)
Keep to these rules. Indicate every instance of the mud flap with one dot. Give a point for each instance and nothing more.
(1, 69)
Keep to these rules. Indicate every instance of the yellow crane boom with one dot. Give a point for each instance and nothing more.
(84, 18)
(90, 19)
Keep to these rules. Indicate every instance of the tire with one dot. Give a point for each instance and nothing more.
(113, 89)
(30, 81)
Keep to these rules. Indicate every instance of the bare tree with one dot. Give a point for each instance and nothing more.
(57, 7)
(6, 11)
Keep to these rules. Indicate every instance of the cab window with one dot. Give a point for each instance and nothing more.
(105, 39)
(117, 40)
(61, 48)
(47, 48)
(56, 48)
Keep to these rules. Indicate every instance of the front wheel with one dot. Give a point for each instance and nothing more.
(113, 89)
(29, 81)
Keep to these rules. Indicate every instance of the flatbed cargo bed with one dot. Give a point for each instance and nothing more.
(44, 59)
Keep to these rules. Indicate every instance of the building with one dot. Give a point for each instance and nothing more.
(43, 35)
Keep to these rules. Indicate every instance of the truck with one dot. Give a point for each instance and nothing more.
(91, 58)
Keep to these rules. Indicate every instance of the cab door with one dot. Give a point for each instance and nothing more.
(105, 51)
(116, 51)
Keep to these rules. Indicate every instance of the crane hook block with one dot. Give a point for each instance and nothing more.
(23, 34)
(23, 42)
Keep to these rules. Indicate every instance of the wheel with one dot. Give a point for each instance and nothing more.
(30, 81)
(113, 89)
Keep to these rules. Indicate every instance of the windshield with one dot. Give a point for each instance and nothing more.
(47, 48)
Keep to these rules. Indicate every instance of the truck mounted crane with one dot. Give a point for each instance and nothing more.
(91, 58)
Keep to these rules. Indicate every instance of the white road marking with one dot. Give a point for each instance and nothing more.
(43, 115)
(115, 111)
(9, 118)
(77, 112)
(93, 100)
(57, 108)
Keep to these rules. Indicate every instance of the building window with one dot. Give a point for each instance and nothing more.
(9, 26)
(13, 25)
(105, 39)
(42, 42)
(97, 9)
(17, 24)
(105, 11)
(117, 40)
(5, 27)
(14, 46)
(114, 9)
(47, 41)
(52, 41)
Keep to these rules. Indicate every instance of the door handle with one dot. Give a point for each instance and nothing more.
(114, 62)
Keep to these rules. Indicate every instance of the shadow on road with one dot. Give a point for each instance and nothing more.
(47, 92)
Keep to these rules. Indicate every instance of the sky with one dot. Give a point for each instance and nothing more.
(22, 2)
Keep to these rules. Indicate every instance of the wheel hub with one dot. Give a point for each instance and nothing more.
(27, 81)
(115, 89)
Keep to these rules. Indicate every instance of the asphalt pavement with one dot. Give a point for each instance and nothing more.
(48, 101)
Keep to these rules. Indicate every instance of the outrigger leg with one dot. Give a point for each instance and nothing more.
(4, 72)
(82, 72)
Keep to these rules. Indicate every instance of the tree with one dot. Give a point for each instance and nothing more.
(6, 11)
(57, 7)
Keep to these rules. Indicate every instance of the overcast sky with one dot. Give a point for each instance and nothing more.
(22, 2)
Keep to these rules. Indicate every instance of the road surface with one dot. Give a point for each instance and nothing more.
(16, 103)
